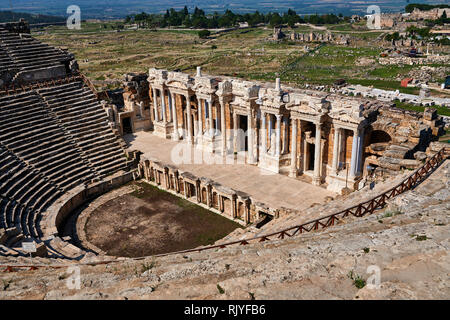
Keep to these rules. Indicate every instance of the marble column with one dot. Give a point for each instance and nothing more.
(200, 119)
(336, 150)
(189, 119)
(317, 152)
(359, 162)
(250, 137)
(263, 133)
(155, 105)
(355, 152)
(278, 135)
(210, 119)
(223, 127)
(176, 135)
(235, 132)
(293, 172)
(269, 131)
(163, 106)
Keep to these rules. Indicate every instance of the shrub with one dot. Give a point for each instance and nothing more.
(203, 34)
(358, 282)
(221, 290)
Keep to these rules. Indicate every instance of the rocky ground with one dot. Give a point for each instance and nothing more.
(408, 242)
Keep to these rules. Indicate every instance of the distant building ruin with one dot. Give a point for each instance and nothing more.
(320, 37)
(327, 37)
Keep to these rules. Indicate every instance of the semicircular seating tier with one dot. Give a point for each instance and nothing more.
(52, 140)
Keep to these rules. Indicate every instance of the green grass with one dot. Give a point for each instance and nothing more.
(246, 54)
(446, 137)
(443, 111)
(391, 71)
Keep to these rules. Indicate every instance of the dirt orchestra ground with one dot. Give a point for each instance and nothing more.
(150, 221)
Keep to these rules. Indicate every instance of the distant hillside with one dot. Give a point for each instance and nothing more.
(113, 9)
(8, 16)
(424, 7)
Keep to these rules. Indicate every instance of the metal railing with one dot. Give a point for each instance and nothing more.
(359, 210)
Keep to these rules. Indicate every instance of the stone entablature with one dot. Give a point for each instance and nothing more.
(319, 135)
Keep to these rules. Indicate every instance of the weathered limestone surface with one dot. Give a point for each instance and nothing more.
(408, 242)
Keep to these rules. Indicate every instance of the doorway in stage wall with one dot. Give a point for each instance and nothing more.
(126, 126)
(243, 125)
(311, 153)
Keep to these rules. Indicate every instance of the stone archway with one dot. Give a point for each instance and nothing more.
(379, 136)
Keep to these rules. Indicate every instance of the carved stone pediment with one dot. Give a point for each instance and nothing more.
(350, 111)
(245, 89)
(311, 105)
(225, 88)
(157, 74)
(206, 85)
(177, 84)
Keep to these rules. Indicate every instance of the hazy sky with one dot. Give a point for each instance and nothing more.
(114, 8)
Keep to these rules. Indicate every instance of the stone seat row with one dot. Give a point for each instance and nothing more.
(27, 141)
(26, 185)
(24, 53)
(86, 122)
(52, 140)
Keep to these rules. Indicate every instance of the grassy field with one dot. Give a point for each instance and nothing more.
(105, 55)
(443, 111)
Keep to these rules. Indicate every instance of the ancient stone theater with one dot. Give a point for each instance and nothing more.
(62, 144)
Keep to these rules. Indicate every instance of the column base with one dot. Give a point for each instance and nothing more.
(163, 130)
(269, 162)
(338, 182)
(317, 181)
(293, 173)
(209, 144)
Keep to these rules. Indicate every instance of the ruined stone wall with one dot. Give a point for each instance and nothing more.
(410, 133)
(228, 202)
(137, 101)
(21, 26)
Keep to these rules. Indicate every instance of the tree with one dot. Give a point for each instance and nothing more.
(275, 20)
(291, 21)
(203, 34)
(187, 22)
